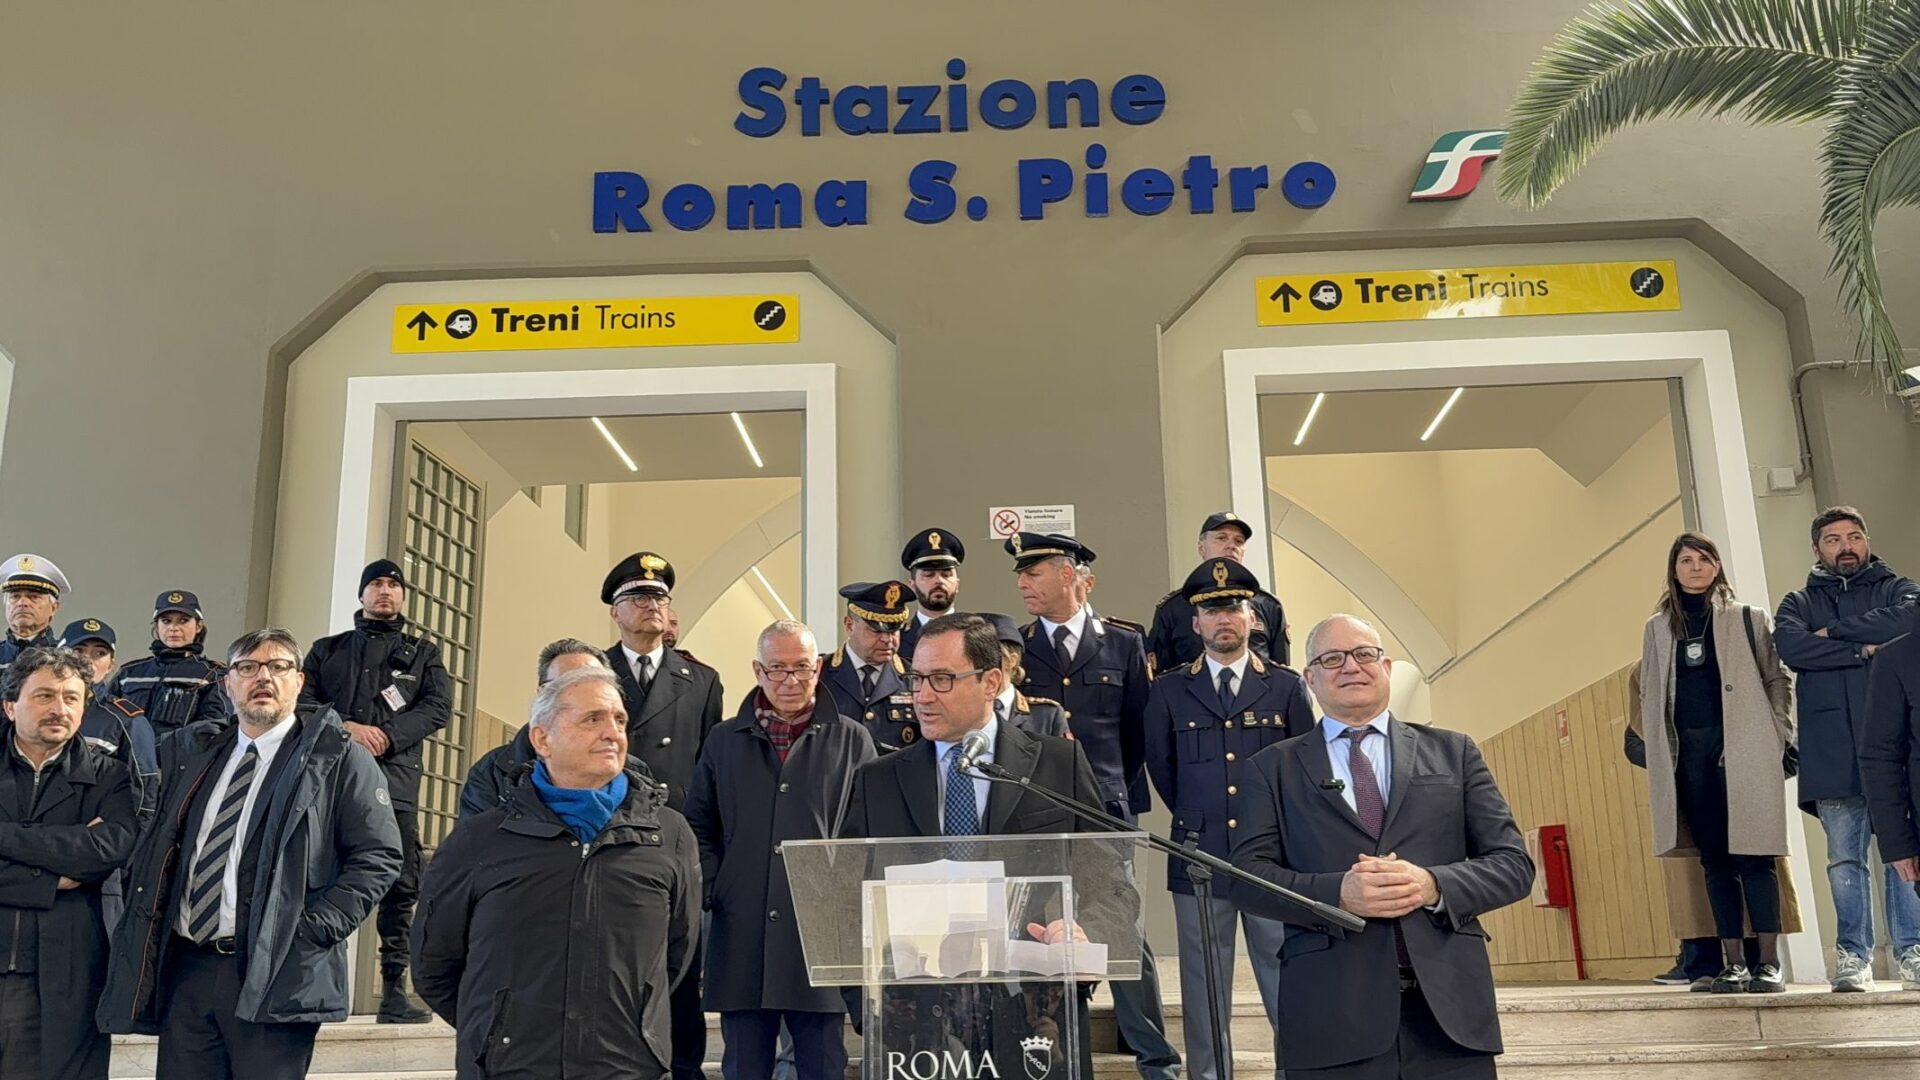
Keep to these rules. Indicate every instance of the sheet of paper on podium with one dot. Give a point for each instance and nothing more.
(946, 918)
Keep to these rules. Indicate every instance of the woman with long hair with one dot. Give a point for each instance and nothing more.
(1716, 713)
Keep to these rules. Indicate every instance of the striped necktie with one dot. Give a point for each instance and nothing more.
(210, 866)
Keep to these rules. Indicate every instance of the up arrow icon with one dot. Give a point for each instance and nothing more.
(422, 323)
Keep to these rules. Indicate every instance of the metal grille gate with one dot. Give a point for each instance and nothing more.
(440, 552)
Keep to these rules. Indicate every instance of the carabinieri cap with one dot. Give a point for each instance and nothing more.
(642, 571)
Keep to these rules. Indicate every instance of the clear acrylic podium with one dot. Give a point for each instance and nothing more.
(942, 935)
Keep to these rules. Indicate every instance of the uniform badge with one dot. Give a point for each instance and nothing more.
(1220, 574)
(380, 796)
(174, 598)
(651, 565)
(1228, 516)
(907, 735)
(26, 562)
(1015, 541)
(91, 624)
(933, 540)
(893, 594)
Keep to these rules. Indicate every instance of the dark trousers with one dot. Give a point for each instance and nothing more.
(819, 1043)
(1701, 957)
(19, 1026)
(202, 1039)
(1422, 1052)
(689, 1020)
(1739, 887)
(396, 907)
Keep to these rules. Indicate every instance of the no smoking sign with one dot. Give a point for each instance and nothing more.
(1004, 521)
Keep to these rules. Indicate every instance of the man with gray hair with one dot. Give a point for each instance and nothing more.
(491, 780)
(782, 770)
(274, 838)
(589, 840)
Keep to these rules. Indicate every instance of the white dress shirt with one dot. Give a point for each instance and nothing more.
(1239, 668)
(1003, 705)
(981, 785)
(653, 658)
(267, 746)
(1076, 625)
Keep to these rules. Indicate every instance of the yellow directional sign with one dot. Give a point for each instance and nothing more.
(491, 326)
(1471, 292)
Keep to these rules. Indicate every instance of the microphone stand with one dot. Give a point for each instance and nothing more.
(1201, 866)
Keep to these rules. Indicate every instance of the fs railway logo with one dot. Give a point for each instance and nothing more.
(1454, 164)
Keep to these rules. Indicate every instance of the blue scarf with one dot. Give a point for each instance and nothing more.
(584, 810)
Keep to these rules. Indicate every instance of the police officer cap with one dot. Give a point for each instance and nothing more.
(933, 549)
(84, 630)
(642, 571)
(1226, 519)
(179, 600)
(1219, 581)
(1004, 626)
(881, 605)
(1028, 548)
(34, 573)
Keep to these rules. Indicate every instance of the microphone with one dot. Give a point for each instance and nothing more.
(972, 749)
(1333, 785)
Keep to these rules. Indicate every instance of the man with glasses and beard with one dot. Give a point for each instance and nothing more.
(932, 560)
(673, 701)
(273, 840)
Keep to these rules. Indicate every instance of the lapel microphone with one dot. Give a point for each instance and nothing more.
(1333, 785)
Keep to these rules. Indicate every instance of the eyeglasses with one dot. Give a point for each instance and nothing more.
(778, 675)
(941, 681)
(247, 669)
(644, 600)
(1337, 658)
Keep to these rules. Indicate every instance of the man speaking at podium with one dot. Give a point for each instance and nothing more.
(922, 791)
(1399, 824)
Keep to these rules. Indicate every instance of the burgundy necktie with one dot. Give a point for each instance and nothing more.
(1366, 784)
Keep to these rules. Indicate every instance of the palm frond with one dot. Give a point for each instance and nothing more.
(1872, 163)
(1627, 61)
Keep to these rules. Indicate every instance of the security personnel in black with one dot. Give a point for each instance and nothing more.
(33, 588)
(177, 684)
(1171, 640)
(866, 674)
(932, 561)
(392, 691)
(1204, 720)
(1097, 670)
(113, 724)
(1035, 715)
(673, 702)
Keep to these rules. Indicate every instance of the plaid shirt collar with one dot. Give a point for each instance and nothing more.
(781, 733)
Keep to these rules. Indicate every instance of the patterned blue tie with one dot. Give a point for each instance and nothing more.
(962, 815)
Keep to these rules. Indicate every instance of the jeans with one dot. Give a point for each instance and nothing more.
(1848, 830)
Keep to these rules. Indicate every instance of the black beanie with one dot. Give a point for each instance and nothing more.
(378, 569)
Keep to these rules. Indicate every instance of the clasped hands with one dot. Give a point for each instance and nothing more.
(1387, 887)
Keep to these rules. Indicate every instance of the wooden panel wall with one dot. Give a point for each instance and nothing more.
(1588, 785)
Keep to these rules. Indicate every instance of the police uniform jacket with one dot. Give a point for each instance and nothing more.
(744, 802)
(551, 958)
(174, 687)
(1039, 716)
(351, 671)
(44, 836)
(117, 727)
(1198, 750)
(888, 713)
(11, 647)
(1103, 693)
(668, 720)
(909, 637)
(1171, 641)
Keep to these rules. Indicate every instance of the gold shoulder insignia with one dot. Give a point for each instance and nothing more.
(1030, 627)
(1194, 668)
(899, 665)
(1037, 700)
(839, 655)
(125, 708)
(1258, 665)
(1125, 625)
(1158, 603)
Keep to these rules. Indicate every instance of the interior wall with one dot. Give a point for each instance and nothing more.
(1310, 594)
(1499, 529)
(724, 638)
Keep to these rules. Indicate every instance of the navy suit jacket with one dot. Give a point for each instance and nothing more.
(1104, 693)
(1340, 991)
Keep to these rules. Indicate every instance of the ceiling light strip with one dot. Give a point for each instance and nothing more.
(1442, 414)
(615, 443)
(740, 426)
(1312, 411)
(768, 585)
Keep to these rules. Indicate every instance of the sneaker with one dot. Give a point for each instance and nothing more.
(1909, 961)
(1851, 974)
(1767, 980)
(1701, 985)
(1733, 979)
(1675, 976)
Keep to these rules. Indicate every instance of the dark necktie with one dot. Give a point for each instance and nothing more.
(1226, 691)
(645, 674)
(867, 675)
(1367, 801)
(210, 866)
(1060, 650)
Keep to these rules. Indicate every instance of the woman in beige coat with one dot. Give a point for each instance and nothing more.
(1717, 719)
